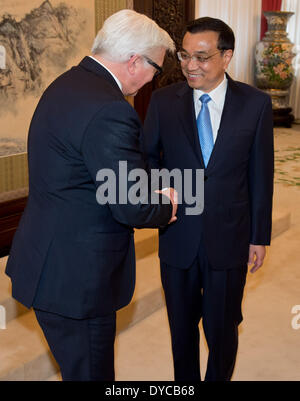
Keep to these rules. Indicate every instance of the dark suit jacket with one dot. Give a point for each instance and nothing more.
(70, 255)
(238, 185)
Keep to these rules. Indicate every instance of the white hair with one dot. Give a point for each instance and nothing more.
(126, 33)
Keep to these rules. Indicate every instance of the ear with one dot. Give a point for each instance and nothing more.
(227, 56)
(132, 63)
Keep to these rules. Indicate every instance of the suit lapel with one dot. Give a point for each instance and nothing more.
(185, 111)
(231, 108)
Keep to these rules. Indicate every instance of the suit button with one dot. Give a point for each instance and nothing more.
(205, 177)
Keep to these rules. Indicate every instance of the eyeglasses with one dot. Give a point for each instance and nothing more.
(159, 70)
(186, 58)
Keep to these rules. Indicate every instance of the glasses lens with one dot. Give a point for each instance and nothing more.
(183, 56)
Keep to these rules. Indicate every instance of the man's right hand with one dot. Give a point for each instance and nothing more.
(172, 194)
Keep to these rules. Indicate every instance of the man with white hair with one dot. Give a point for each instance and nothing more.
(72, 259)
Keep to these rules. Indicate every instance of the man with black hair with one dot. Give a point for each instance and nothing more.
(224, 127)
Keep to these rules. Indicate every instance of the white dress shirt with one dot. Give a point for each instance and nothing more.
(113, 75)
(215, 106)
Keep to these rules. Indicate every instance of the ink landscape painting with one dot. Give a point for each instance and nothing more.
(39, 40)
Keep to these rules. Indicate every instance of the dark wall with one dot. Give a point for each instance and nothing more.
(171, 15)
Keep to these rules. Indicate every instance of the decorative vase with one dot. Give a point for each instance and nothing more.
(274, 72)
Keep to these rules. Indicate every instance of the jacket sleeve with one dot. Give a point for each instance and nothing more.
(111, 148)
(261, 176)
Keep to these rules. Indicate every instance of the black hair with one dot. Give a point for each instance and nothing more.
(226, 36)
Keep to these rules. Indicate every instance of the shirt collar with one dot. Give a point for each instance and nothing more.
(113, 75)
(217, 95)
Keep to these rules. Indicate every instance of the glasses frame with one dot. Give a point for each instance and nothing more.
(196, 58)
(159, 69)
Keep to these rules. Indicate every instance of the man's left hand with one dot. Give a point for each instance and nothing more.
(257, 254)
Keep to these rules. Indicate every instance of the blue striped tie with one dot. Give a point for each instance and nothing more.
(205, 129)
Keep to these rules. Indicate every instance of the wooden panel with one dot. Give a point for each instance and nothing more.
(105, 8)
(13, 172)
(171, 15)
(10, 214)
(144, 7)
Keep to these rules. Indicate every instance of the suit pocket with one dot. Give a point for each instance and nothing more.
(243, 132)
(238, 146)
(106, 242)
(242, 135)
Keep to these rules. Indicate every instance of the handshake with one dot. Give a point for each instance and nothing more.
(172, 194)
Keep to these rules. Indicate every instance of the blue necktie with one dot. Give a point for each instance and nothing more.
(205, 129)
